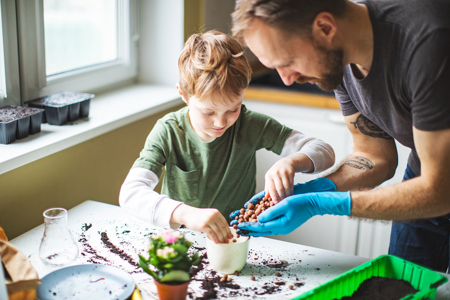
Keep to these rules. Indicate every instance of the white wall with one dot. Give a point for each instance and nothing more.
(160, 48)
(337, 233)
(218, 16)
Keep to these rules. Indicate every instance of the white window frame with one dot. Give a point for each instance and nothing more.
(10, 51)
(34, 81)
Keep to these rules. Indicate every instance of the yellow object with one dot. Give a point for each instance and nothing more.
(136, 294)
(290, 97)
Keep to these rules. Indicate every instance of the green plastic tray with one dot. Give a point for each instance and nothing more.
(422, 279)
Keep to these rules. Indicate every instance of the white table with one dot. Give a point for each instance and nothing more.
(124, 237)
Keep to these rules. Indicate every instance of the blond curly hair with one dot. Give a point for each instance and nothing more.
(213, 66)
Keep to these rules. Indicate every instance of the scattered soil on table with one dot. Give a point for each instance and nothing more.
(87, 248)
(210, 285)
(214, 288)
(382, 288)
(97, 258)
(113, 248)
(280, 264)
(210, 282)
(200, 266)
(85, 227)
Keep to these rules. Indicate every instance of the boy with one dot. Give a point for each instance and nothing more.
(208, 148)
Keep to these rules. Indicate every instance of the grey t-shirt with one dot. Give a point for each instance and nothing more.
(409, 80)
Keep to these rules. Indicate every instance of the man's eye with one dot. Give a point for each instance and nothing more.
(233, 111)
(208, 114)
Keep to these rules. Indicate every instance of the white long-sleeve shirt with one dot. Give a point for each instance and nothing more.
(138, 197)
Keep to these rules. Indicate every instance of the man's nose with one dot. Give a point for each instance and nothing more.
(287, 76)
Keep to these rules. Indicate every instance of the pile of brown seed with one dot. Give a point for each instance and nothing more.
(253, 211)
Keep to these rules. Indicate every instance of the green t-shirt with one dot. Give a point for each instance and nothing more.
(219, 174)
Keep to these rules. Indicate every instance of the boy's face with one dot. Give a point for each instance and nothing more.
(211, 120)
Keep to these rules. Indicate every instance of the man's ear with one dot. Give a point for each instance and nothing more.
(181, 94)
(324, 28)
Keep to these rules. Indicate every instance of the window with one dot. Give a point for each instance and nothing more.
(76, 45)
(72, 27)
(3, 93)
(9, 63)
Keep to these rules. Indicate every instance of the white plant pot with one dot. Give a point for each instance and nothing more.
(230, 257)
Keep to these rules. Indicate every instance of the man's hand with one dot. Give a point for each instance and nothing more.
(207, 220)
(293, 211)
(316, 185)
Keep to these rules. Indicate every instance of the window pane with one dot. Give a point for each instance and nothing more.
(2, 61)
(79, 33)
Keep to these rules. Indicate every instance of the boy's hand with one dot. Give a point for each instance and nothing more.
(207, 220)
(293, 211)
(279, 180)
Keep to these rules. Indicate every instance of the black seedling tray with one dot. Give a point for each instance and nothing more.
(17, 122)
(63, 107)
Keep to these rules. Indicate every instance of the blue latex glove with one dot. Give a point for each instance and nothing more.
(295, 210)
(316, 185)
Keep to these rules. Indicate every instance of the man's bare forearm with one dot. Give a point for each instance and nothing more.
(359, 172)
(416, 198)
(374, 158)
(412, 199)
(425, 196)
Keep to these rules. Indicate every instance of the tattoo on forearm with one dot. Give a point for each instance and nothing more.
(367, 127)
(359, 162)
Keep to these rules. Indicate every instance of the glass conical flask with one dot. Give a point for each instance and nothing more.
(58, 246)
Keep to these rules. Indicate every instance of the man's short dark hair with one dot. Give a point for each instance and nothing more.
(290, 16)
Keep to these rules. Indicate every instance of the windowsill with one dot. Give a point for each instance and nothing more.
(108, 111)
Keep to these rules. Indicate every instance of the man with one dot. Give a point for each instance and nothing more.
(388, 62)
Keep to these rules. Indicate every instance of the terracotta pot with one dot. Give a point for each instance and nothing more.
(172, 291)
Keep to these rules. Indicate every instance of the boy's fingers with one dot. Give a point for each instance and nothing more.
(291, 190)
(222, 230)
(226, 228)
(230, 234)
(214, 233)
(212, 236)
(280, 185)
(287, 186)
(273, 194)
(270, 189)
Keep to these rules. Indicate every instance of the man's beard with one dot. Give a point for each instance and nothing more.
(332, 64)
